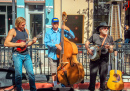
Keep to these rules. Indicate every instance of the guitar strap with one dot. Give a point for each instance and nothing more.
(104, 41)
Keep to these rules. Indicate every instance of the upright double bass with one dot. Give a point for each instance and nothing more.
(69, 71)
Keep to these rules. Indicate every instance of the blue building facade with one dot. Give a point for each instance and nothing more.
(38, 15)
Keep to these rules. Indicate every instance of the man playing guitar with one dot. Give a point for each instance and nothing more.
(19, 58)
(105, 41)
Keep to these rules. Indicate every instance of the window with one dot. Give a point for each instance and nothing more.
(35, 7)
(2, 8)
(101, 12)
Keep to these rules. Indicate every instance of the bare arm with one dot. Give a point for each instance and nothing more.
(65, 27)
(8, 39)
(87, 47)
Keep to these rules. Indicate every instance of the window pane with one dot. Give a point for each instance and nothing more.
(2, 8)
(101, 12)
(9, 13)
(2, 39)
(35, 7)
(2, 24)
(36, 25)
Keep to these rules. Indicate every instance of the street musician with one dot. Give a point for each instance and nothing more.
(104, 42)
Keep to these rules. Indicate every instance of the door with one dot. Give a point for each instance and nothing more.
(36, 26)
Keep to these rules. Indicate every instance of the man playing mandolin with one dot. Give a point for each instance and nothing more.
(105, 42)
(52, 41)
(21, 58)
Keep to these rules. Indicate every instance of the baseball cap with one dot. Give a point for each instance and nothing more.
(55, 20)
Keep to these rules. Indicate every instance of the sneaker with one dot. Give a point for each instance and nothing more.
(58, 86)
(62, 85)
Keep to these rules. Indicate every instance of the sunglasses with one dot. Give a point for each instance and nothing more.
(105, 28)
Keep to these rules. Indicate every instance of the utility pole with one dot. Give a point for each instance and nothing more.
(13, 13)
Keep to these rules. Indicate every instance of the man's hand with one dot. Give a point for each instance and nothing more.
(34, 40)
(58, 47)
(65, 27)
(90, 51)
(107, 46)
(22, 44)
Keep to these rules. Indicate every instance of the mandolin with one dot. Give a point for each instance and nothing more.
(115, 81)
(21, 49)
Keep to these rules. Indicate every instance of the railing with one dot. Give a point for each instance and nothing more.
(38, 53)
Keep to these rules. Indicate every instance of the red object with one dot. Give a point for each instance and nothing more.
(79, 86)
(21, 49)
(127, 5)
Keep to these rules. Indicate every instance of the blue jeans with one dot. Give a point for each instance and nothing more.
(25, 60)
(127, 40)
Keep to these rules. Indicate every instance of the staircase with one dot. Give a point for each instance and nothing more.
(115, 21)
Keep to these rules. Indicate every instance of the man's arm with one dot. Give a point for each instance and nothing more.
(69, 33)
(33, 41)
(8, 39)
(87, 47)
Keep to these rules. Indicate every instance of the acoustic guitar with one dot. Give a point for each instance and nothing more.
(21, 49)
(115, 81)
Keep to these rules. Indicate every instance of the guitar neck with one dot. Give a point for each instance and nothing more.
(38, 36)
(115, 53)
(29, 41)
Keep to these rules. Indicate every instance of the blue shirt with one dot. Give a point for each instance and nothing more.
(52, 38)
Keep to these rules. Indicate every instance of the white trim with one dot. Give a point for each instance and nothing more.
(48, 26)
(50, 7)
(33, 12)
(20, 6)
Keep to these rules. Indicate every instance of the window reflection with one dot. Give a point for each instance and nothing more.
(2, 24)
(2, 39)
(101, 12)
(36, 26)
(35, 7)
(9, 13)
(2, 8)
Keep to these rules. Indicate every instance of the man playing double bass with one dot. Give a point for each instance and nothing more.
(52, 41)
(105, 41)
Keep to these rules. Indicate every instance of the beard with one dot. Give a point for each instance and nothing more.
(105, 32)
(22, 28)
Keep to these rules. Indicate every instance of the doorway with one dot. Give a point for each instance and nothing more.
(36, 26)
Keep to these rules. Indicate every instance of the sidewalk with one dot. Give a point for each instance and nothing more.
(76, 87)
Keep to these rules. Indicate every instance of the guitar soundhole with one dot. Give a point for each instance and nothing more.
(117, 76)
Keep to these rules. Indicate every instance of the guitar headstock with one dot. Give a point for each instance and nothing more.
(39, 35)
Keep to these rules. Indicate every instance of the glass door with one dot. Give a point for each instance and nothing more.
(36, 26)
(2, 28)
